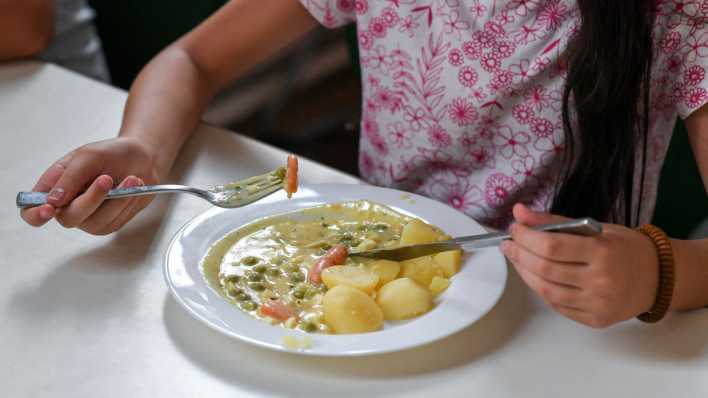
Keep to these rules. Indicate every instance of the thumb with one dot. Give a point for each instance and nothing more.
(525, 215)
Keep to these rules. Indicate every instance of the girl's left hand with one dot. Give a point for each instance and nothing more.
(597, 281)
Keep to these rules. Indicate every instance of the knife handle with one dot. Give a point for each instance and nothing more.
(581, 226)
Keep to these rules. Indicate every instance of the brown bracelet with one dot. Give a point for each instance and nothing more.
(666, 274)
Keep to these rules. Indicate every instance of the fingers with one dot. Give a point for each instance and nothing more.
(569, 274)
(524, 215)
(37, 216)
(77, 174)
(85, 204)
(552, 245)
(112, 214)
(551, 292)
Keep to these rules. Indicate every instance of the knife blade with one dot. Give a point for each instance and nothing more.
(582, 226)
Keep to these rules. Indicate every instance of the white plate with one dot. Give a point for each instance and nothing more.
(472, 293)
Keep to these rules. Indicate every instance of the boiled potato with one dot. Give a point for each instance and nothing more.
(404, 298)
(387, 270)
(438, 285)
(449, 262)
(349, 310)
(359, 278)
(421, 269)
(416, 231)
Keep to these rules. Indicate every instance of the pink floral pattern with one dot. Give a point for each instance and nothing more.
(462, 99)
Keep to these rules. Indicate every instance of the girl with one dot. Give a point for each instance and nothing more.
(565, 105)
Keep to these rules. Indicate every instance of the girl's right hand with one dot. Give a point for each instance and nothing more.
(78, 184)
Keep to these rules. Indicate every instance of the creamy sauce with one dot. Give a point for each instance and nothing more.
(270, 258)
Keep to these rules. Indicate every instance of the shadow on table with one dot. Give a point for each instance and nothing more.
(246, 365)
(98, 279)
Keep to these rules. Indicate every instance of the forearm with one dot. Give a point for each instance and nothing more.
(165, 104)
(26, 27)
(170, 94)
(691, 264)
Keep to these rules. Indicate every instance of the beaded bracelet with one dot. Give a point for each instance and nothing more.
(666, 274)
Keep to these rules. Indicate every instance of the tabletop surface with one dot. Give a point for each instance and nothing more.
(91, 316)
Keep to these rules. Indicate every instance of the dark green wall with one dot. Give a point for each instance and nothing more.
(133, 31)
(682, 202)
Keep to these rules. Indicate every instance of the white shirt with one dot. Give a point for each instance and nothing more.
(76, 45)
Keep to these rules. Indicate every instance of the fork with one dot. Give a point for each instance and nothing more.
(235, 194)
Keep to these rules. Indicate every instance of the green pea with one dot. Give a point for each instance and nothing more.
(279, 260)
(232, 288)
(273, 272)
(299, 291)
(326, 246)
(260, 268)
(292, 268)
(297, 277)
(249, 305)
(324, 225)
(380, 227)
(232, 279)
(250, 261)
(311, 292)
(254, 277)
(308, 326)
(346, 238)
(242, 296)
(257, 286)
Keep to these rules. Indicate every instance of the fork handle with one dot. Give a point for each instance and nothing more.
(32, 199)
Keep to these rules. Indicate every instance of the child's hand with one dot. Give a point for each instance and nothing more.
(79, 182)
(597, 281)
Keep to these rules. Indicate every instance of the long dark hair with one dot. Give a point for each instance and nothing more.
(609, 64)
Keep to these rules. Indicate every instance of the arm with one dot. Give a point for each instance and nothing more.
(26, 27)
(164, 106)
(171, 93)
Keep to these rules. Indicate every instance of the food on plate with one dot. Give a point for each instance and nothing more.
(293, 270)
(404, 298)
(350, 310)
(347, 275)
(448, 262)
(290, 182)
(438, 285)
(387, 270)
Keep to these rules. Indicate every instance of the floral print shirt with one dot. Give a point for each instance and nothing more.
(462, 98)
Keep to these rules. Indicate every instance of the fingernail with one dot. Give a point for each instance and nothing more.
(131, 182)
(105, 182)
(45, 212)
(56, 194)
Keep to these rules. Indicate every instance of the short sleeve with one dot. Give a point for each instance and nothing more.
(335, 13)
(683, 53)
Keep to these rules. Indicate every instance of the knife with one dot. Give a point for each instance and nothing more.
(582, 226)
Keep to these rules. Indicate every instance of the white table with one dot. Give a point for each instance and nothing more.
(85, 316)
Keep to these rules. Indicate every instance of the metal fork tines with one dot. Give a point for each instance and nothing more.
(231, 195)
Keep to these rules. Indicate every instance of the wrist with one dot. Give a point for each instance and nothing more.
(159, 155)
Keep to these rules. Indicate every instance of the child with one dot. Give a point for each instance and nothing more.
(565, 105)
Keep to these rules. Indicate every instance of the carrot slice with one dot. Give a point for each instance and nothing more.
(291, 176)
(335, 256)
(277, 309)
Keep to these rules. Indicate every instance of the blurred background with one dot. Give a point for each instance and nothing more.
(307, 99)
